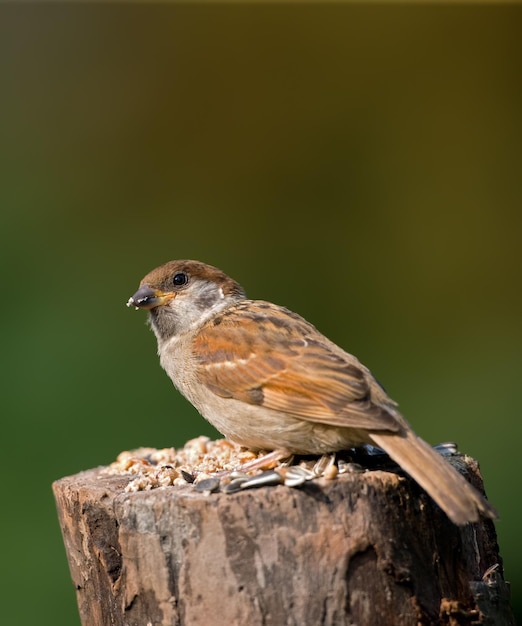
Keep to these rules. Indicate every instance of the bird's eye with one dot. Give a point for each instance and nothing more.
(180, 279)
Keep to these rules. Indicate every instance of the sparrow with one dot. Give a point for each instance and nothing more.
(269, 380)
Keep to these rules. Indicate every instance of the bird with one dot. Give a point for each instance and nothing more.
(268, 380)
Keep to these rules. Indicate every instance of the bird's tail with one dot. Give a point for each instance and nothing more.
(461, 502)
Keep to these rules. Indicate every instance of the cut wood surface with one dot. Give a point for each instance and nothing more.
(363, 549)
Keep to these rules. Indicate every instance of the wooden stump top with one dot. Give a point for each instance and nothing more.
(366, 548)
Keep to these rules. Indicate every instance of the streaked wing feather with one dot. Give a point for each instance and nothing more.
(306, 378)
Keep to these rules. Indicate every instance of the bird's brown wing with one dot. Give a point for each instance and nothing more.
(266, 355)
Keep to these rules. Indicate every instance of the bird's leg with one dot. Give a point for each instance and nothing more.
(267, 461)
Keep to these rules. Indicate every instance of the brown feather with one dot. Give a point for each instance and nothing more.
(287, 366)
(461, 502)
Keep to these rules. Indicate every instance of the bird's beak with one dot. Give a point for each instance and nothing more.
(148, 298)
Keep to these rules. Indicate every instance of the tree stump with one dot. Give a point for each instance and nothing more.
(364, 549)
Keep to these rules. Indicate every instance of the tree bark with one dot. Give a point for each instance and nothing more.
(363, 549)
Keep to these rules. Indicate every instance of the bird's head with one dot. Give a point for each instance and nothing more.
(181, 295)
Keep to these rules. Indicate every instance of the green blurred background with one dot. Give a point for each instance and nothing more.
(359, 164)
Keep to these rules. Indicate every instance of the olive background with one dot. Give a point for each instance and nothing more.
(360, 164)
